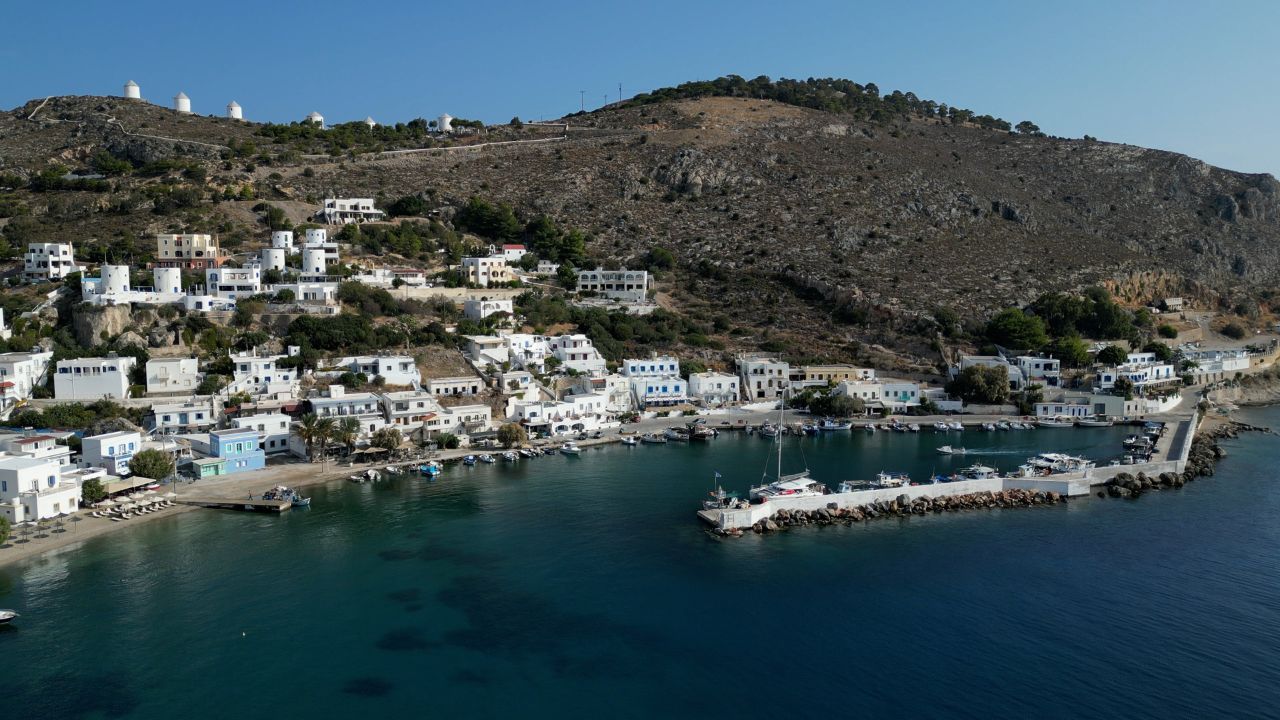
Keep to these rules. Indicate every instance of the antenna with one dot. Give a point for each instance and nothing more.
(582, 101)
(619, 92)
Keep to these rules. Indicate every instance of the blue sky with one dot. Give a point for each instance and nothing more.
(1194, 77)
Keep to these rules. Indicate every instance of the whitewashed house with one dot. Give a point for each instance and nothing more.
(714, 389)
(339, 404)
(486, 271)
(93, 378)
(20, 373)
(576, 352)
(764, 377)
(167, 376)
(111, 451)
(394, 369)
(459, 385)
(899, 395)
(408, 410)
(342, 211)
(1143, 370)
(273, 430)
(480, 308)
(656, 381)
(261, 375)
(30, 444)
(575, 413)
(1037, 370)
(233, 283)
(183, 417)
(48, 261)
(34, 488)
(630, 286)
(513, 252)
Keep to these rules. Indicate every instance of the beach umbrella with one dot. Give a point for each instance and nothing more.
(105, 503)
(135, 496)
(76, 519)
(171, 494)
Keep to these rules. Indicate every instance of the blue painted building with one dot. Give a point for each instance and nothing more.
(239, 448)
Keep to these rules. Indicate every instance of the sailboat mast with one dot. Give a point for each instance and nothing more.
(782, 414)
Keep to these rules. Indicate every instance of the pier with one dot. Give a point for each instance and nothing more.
(262, 506)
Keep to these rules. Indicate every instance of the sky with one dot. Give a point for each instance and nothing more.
(1193, 77)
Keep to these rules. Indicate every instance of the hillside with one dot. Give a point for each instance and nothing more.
(789, 222)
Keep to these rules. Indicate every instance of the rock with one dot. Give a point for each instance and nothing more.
(129, 338)
(770, 526)
(95, 325)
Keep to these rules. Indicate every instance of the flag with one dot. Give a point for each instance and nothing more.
(717, 476)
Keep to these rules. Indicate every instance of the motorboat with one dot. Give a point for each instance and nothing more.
(676, 434)
(652, 439)
(528, 453)
(7, 616)
(870, 427)
(701, 432)
(1015, 425)
(768, 430)
(913, 427)
(809, 429)
(1095, 421)
(941, 426)
(977, 472)
(1057, 422)
(956, 425)
(831, 424)
(718, 499)
(1002, 425)
(487, 459)
(299, 501)
(948, 450)
(892, 479)
(430, 469)
(510, 456)
(570, 448)
(899, 427)
(469, 460)
(1138, 442)
(989, 427)
(1060, 463)
(630, 440)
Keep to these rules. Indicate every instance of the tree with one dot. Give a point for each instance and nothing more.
(1113, 355)
(4, 529)
(1027, 399)
(1071, 351)
(1026, 127)
(1124, 386)
(1163, 352)
(448, 441)
(387, 438)
(511, 434)
(308, 430)
(840, 406)
(92, 491)
(347, 433)
(152, 464)
(1014, 329)
(981, 384)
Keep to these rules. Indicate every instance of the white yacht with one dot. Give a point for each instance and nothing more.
(570, 448)
(1060, 463)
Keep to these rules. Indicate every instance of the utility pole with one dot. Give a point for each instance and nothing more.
(582, 101)
(619, 92)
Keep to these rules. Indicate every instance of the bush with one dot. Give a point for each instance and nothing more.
(981, 384)
(1234, 330)
(448, 441)
(1167, 331)
(151, 464)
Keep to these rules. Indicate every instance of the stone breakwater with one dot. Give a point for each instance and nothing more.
(1204, 455)
(902, 506)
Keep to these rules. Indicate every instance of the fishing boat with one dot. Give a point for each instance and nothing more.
(527, 453)
(793, 485)
(469, 460)
(831, 424)
(430, 469)
(1014, 425)
(718, 499)
(7, 616)
(948, 450)
(769, 430)
(898, 427)
(892, 479)
(630, 440)
(989, 427)
(956, 425)
(487, 459)
(941, 427)
(809, 429)
(913, 427)
(700, 432)
(652, 439)
(676, 434)
(870, 427)
(1095, 421)
(1138, 442)
(510, 456)
(977, 472)
(1002, 425)
(1056, 422)
(570, 448)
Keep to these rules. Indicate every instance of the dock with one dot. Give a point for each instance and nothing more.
(264, 506)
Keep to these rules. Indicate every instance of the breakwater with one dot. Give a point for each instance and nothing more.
(1202, 455)
(902, 506)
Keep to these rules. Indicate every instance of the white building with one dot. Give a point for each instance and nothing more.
(315, 118)
(459, 385)
(868, 391)
(1143, 370)
(234, 283)
(466, 419)
(763, 377)
(394, 369)
(713, 389)
(341, 211)
(234, 111)
(193, 251)
(48, 261)
(111, 451)
(626, 285)
(273, 430)
(29, 444)
(1014, 373)
(547, 268)
(261, 375)
(5, 331)
(575, 413)
(339, 404)
(283, 240)
(20, 373)
(656, 381)
(184, 417)
(412, 409)
(485, 271)
(132, 91)
(1038, 370)
(182, 103)
(481, 308)
(34, 488)
(93, 378)
(898, 395)
(576, 352)
(172, 375)
(513, 252)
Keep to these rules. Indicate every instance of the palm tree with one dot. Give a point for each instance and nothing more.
(325, 429)
(347, 432)
(308, 430)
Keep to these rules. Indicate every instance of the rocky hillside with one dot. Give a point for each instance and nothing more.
(790, 222)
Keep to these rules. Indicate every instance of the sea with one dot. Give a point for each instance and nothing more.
(586, 587)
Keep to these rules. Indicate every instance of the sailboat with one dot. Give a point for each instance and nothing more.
(794, 485)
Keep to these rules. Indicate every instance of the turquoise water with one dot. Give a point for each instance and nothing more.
(575, 586)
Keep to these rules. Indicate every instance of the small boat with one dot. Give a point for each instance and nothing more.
(700, 432)
(892, 479)
(769, 431)
(948, 450)
(977, 472)
(430, 469)
(527, 453)
(652, 439)
(372, 475)
(1137, 442)
(956, 425)
(1057, 422)
(941, 426)
(899, 427)
(299, 501)
(1094, 421)
(676, 434)
(913, 427)
(570, 448)
(1002, 425)
(630, 440)
(487, 459)
(809, 429)
(7, 616)
(831, 424)
(870, 427)
(510, 456)
(1021, 426)
(989, 427)
(469, 460)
